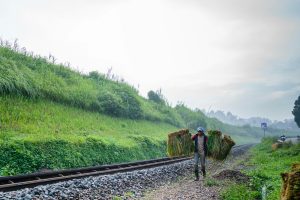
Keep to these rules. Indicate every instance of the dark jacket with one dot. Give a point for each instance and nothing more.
(195, 138)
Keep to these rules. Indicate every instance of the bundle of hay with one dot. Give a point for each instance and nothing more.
(291, 183)
(276, 146)
(219, 145)
(180, 143)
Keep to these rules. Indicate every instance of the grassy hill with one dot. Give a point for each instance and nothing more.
(54, 117)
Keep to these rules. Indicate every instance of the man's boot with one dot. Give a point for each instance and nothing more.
(203, 172)
(197, 174)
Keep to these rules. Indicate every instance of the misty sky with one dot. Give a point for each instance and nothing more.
(238, 56)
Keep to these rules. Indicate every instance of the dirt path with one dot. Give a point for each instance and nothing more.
(208, 188)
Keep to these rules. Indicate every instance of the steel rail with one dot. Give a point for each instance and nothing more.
(11, 183)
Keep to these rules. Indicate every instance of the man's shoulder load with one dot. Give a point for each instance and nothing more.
(181, 144)
(219, 145)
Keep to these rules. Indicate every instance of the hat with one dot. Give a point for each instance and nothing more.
(200, 129)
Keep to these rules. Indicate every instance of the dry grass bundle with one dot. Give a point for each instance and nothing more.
(219, 145)
(276, 146)
(180, 143)
(291, 183)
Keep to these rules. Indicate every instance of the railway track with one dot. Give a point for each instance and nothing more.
(240, 149)
(12, 183)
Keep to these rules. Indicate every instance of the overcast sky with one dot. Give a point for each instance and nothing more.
(238, 56)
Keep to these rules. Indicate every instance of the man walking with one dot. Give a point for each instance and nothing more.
(200, 140)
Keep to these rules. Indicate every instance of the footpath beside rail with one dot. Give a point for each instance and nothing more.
(209, 188)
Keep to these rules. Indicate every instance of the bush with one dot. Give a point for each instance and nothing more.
(110, 104)
(132, 108)
(120, 104)
(156, 97)
(96, 76)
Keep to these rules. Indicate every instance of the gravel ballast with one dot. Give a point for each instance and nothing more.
(125, 185)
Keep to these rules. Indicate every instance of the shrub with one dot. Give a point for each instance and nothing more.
(111, 104)
(132, 108)
(156, 97)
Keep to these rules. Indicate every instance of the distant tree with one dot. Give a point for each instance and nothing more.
(296, 111)
(157, 97)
